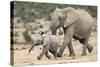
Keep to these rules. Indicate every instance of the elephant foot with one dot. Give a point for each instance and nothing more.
(72, 55)
(49, 57)
(90, 48)
(38, 58)
(59, 55)
(83, 54)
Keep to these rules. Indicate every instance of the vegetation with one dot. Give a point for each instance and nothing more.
(16, 34)
(27, 37)
(29, 11)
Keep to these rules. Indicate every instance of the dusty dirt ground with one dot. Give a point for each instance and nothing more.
(21, 56)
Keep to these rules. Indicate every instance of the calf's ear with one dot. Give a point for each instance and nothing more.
(46, 42)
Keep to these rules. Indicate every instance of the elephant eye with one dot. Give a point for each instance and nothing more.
(61, 19)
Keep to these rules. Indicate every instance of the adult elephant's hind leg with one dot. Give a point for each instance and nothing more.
(90, 48)
(85, 45)
(83, 41)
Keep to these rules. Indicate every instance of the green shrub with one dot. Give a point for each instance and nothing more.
(16, 34)
(32, 32)
(27, 37)
(29, 11)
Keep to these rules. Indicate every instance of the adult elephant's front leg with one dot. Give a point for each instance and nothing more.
(70, 47)
(71, 51)
(68, 33)
(62, 48)
(66, 42)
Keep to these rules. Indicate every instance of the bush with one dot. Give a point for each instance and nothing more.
(32, 32)
(27, 36)
(16, 34)
(29, 11)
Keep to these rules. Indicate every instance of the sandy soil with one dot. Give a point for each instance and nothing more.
(21, 56)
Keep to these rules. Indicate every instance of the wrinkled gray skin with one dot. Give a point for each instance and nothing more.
(77, 24)
(50, 43)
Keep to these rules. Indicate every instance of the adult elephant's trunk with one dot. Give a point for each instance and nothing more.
(53, 30)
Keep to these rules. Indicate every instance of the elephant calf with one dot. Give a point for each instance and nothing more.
(50, 44)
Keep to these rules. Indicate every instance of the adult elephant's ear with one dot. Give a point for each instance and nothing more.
(71, 16)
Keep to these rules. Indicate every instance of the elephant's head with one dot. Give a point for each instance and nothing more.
(36, 41)
(63, 17)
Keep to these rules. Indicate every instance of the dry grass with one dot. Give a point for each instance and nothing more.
(21, 56)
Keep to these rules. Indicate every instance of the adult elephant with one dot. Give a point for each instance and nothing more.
(77, 24)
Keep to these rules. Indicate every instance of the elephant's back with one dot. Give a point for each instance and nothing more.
(84, 16)
(54, 38)
(84, 24)
(51, 38)
(37, 37)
